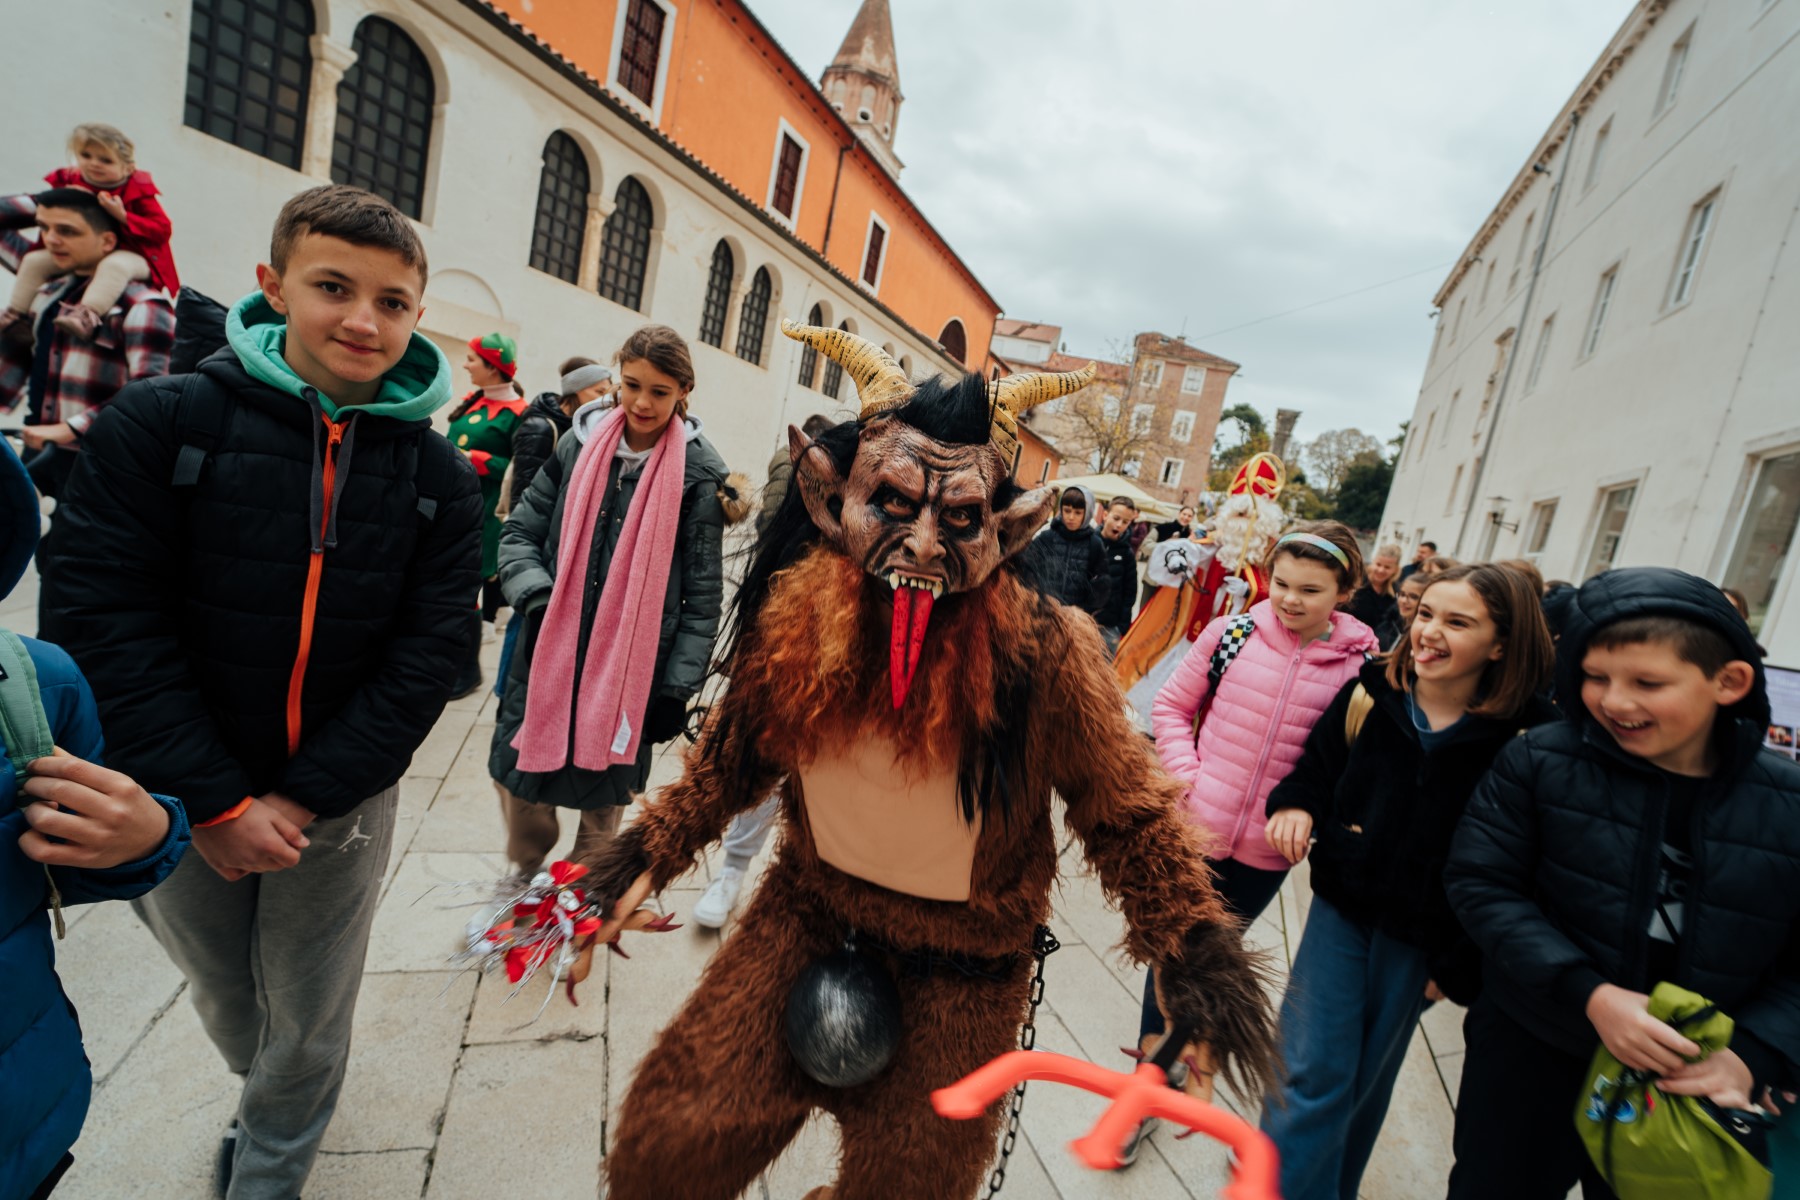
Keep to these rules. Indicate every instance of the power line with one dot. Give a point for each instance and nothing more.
(1317, 303)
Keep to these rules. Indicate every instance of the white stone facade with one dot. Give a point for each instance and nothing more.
(498, 99)
(1635, 394)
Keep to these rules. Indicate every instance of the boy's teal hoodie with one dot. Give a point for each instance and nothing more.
(413, 388)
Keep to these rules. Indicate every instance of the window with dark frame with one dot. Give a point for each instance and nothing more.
(809, 358)
(384, 117)
(834, 374)
(625, 245)
(871, 272)
(249, 74)
(787, 177)
(718, 295)
(753, 322)
(561, 225)
(641, 49)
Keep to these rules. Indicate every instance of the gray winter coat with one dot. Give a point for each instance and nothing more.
(691, 605)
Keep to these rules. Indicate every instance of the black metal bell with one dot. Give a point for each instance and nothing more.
(843, 1018)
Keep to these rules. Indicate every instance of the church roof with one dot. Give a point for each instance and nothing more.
(868, 48)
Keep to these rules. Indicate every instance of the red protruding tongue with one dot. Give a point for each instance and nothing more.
(912, 610)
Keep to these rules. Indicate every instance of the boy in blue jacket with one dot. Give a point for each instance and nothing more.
(72, 833)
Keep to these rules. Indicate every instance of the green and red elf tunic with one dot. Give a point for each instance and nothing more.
(482, 428)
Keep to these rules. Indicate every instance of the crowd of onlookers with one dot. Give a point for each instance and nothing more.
(265, 575)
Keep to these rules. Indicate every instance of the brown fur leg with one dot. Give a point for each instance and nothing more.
(719, 1096)
(893, 1143)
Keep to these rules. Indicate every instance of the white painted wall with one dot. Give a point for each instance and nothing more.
(1684, 401)
(497, 105)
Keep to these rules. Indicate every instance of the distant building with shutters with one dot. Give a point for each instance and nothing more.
(577, 168)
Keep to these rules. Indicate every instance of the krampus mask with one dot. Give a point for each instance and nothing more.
(928, 506)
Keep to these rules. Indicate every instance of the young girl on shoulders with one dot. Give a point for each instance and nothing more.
(1381, 784)
(1288, 656)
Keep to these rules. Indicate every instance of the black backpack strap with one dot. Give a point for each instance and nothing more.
(200, 419)
(431, 477)
(1231, 644)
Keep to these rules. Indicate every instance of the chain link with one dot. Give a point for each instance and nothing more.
(1043, 945)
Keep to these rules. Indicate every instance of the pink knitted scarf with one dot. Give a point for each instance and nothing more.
(610, 700)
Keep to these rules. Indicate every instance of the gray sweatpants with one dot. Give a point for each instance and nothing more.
(274, 963)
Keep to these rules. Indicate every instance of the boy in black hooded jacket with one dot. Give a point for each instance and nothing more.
(1648, 837)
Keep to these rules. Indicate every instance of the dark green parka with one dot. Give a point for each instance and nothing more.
(691, 605)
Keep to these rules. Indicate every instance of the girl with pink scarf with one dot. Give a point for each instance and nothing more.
(612, 559)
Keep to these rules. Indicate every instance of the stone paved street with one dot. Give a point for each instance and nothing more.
(451, 1094)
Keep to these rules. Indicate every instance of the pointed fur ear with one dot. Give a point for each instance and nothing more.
(1020, 520)
(821, 487)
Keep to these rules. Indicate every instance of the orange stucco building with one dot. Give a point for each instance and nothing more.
(713, 79)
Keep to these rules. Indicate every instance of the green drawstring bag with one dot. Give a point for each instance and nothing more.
(1651, 1146)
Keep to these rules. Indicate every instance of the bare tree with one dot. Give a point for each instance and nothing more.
(1330, 456)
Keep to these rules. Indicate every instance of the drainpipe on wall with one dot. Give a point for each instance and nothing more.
(1512, 358)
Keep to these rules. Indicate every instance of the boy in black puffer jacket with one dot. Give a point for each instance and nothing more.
(1068, 559)
(1648, 837)
(267, 575)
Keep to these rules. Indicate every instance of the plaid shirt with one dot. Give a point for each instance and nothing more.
(132, 342)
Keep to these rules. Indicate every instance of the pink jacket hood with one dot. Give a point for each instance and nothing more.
(1271, 695)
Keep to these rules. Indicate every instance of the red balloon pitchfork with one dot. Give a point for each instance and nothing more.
(1143, 1093)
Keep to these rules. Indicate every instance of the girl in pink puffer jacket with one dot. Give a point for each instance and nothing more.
(1301, 653)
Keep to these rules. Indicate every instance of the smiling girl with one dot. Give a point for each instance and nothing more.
(1233, 747)
(612, 559)
(1383, 781)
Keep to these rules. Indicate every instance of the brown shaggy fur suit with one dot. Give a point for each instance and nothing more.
(720, 1096)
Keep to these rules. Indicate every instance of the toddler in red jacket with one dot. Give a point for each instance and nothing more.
(106, 165)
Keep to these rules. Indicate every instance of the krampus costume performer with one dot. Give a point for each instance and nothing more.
(916, 704)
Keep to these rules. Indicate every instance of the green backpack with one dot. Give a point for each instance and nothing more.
(1653, 1146)
(26, 728)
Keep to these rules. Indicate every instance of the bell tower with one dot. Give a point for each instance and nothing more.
(863, 82)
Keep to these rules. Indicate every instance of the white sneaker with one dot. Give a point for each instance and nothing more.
(721, 897)
(1135, 1143)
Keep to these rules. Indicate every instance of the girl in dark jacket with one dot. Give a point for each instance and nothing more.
(612, 561)
(534, 440)
(1383, 780)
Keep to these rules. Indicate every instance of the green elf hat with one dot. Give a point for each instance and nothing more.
(497, 351)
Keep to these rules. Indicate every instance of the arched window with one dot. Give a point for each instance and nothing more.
(249, 71)
(754, 320)
(384, 117)
(625, 245)
(809, 358)
(562, 208)
(954, 341)
(718, 295)
(834, 374)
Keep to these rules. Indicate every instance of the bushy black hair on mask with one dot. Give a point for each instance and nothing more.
(959, 412)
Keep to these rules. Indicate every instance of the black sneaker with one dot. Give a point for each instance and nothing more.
(227, 1154)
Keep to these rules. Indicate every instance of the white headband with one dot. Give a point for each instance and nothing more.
(585, 377)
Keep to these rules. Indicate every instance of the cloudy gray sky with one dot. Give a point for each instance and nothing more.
(1161, 164)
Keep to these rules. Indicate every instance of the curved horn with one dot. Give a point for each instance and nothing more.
(880, 383)
(1016, 393)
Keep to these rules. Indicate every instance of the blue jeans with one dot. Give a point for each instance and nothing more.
(1784, 1155)
(1352, 1001)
